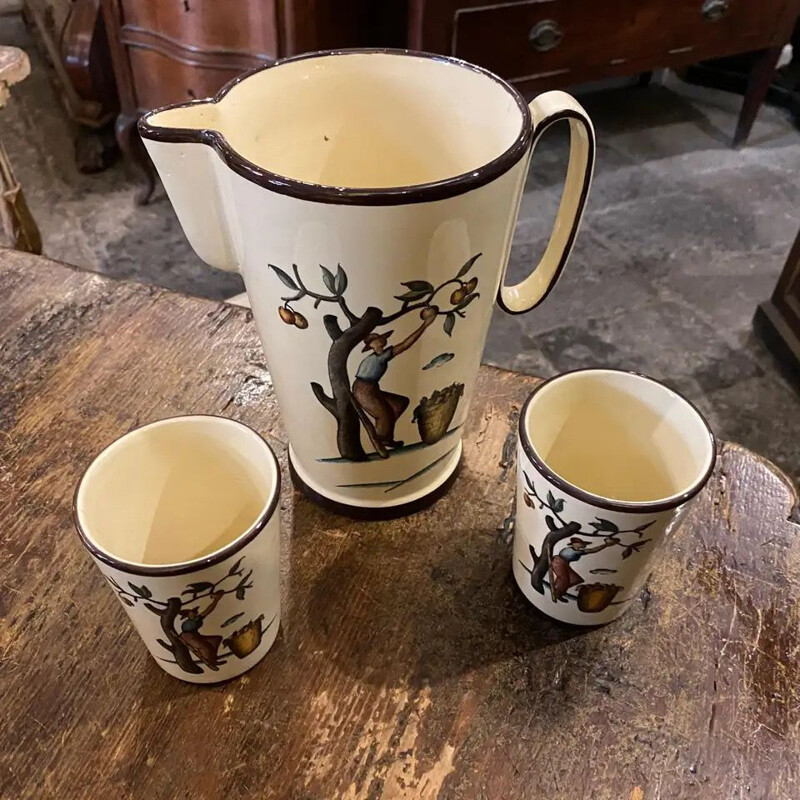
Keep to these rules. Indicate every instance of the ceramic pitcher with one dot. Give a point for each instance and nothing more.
(369, 198)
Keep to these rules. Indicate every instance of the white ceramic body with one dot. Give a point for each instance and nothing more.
(597, 587)
(238, 215)
(235, 589)
(530, 530)
(261, 605)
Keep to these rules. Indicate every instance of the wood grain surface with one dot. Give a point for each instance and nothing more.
(408, 664)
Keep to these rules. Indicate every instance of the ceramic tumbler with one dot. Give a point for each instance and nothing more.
(369, 198)
(607, 462)
(182, 518)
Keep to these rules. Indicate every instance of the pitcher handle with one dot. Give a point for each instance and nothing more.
(547, 109)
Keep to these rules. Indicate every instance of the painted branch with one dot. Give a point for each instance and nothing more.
(326, 402)
(332, 326)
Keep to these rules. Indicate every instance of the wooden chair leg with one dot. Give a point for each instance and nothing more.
(760, 78)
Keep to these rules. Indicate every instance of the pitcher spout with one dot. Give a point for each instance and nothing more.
(178, 140)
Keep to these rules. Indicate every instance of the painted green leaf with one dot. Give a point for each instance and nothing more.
(341, 280)
(142, 591)
(419, 286)
(467, 300)
(529, 482)
(596, 525)
(232, 619)
(468, 266)
(240, 593)
(550, 499)
(626, 552)
(558, 506)
(411, 295)
(235, 568)
(328, 279)
(286, 279)
(449, 323)
(642, 528)
(125, 600)
(607, 525)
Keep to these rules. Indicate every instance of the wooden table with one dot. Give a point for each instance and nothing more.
(408, 665)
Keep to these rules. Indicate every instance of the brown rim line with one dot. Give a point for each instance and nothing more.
(196, 565)
(602, 502)
(319, 193)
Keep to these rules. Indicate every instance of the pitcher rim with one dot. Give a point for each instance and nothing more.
(323, 193)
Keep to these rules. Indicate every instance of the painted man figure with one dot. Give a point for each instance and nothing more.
(203, 646)
(384, 407)
(562, 576)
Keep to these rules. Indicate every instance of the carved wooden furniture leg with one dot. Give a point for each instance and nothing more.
(133, 149)
(19, 229)
(760, 79)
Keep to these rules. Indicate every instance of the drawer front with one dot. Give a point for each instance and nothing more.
(243, 26)
(529, 39)
(722, 23)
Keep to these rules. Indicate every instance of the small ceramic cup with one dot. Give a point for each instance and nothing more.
(182, 518)
(607, 461)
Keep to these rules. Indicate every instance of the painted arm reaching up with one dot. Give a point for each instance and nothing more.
(428, 316)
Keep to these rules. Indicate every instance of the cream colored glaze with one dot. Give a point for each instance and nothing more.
(171, 492)
(361, 121)
(618, 436)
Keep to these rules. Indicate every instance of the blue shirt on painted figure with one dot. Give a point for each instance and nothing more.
(570, 554)
(374, 366)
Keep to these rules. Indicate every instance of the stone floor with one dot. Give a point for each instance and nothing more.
(683, 237)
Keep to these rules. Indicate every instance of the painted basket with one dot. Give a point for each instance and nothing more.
(434, 414)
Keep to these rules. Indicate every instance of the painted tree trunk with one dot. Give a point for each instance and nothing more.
(342, 404)
(179, 649)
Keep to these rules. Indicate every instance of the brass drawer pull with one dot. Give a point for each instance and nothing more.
(713, 10)
(545, 35)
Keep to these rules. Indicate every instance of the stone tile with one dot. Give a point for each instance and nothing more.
(762, 413)
(760, 205)
(667, 340)
(689, 231)
(156, 236)
(596, 281)
(727, 298)
(510, 346)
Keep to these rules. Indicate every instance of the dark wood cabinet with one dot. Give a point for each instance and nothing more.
(778, 319)
(167, 51)
(545, 44)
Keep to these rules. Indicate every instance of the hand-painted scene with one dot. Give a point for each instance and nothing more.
(563, 567)
(183, 617)
(365, 413)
